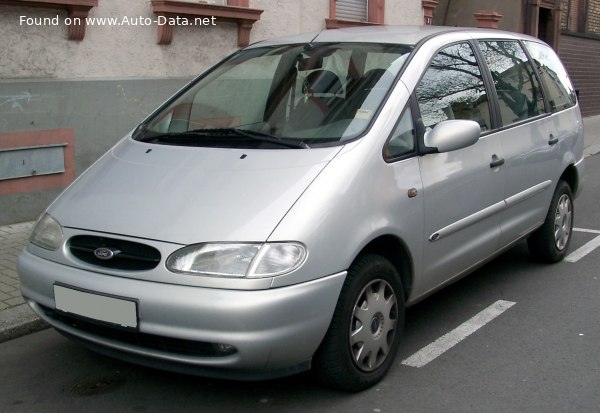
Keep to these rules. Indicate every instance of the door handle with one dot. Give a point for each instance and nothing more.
(496, 161)
(553, 140)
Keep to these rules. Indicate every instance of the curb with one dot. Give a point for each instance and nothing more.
(19, 321)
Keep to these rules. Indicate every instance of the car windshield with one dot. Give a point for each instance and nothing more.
(290, 96)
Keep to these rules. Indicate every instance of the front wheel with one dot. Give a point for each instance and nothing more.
(365, 331)
(551, 241)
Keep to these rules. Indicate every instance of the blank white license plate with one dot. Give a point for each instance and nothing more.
(95, 306)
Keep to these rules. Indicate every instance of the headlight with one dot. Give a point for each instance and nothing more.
(47, 233)
(237, 260)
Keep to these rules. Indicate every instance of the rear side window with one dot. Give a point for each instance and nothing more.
(560, 90)
(452, 88)
(517, 86)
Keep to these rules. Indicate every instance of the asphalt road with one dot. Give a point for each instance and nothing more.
(541, 354)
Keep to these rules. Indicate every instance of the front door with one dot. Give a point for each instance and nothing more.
(463, 189)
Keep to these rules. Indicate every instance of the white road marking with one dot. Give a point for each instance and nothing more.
(589, 231)
(449, 340)
(583, 251)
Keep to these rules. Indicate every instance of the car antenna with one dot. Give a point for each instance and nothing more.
(309, 46)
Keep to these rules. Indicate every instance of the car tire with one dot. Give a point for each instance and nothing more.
(355, 355)
(550, 242)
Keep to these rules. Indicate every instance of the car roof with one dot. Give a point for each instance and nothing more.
(408, 35)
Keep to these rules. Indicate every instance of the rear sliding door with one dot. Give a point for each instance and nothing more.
(529, 139)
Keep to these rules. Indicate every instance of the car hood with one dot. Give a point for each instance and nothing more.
(188, 195)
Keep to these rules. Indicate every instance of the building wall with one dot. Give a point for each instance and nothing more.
(460, 13)
(131, 51)
(593, 17)
(571, 18)
(570, 14)
(581, 56)
(579, 49)
(399, 12)
(103, 86)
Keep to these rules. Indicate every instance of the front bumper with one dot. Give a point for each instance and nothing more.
(275, 331)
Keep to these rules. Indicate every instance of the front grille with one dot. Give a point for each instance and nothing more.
(148, 341)
(129, 255)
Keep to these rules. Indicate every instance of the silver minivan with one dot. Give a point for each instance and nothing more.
(283, 209)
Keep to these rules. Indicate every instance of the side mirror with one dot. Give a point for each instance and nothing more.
(451, 135)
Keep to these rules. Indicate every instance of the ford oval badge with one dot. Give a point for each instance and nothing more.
(104, 253)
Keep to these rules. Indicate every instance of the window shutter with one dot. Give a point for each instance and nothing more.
(351, 10)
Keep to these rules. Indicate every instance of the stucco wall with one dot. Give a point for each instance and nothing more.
(460, 13)
(131, 51)
(399, 12)
(123, 51)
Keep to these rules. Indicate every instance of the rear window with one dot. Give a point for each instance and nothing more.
(560, 90)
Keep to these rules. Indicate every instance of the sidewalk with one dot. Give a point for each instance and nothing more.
(12, 239)
(592, 135)
(16, 319)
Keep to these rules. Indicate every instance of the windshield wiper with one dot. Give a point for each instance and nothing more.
(195, 134)
(173, 137)
(265, 137)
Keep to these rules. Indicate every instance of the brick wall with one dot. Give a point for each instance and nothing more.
(564, 4)
(593, 17)
(569, 17)
(581, 56)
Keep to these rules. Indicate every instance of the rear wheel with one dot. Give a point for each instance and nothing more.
(365, 331)
(551, 241)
